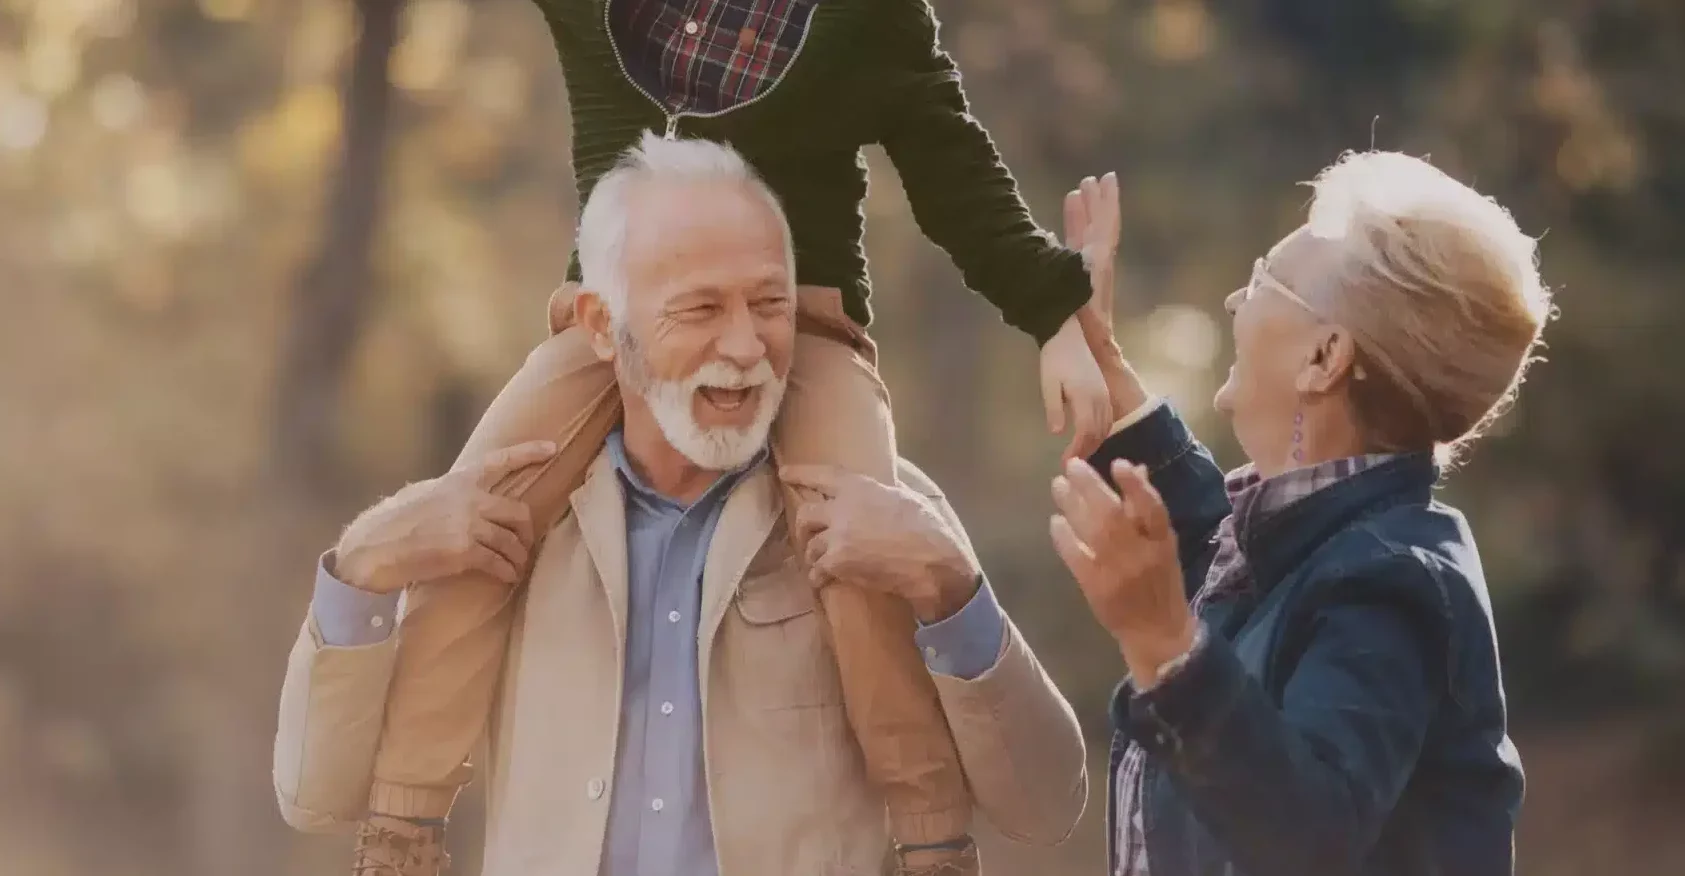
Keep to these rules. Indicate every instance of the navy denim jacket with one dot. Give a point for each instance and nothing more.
(1346, 714)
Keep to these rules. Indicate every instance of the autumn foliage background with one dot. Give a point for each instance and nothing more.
(262, 265)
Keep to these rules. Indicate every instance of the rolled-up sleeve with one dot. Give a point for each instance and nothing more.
(347, 616)
(1018, 738)
(333, 701)
(966, 644)
(1020, 744)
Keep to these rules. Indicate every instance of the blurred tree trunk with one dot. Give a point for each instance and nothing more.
(332, 300)
(454, 411)
(950, 321)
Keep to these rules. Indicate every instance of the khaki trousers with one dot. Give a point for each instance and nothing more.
(455, 631)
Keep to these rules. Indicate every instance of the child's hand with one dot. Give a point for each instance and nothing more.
(1092, 227)
(1071, 373)
(1071, 382)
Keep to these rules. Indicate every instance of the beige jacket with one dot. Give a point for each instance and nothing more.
(786, 787)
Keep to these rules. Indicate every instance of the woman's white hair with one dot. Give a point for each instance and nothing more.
(1439, 286)
(604, 220)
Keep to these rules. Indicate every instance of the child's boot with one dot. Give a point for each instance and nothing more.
(958, 858)
(389, 846)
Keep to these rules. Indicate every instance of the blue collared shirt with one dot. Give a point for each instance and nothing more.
(658, 819)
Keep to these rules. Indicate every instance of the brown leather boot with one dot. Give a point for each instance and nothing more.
(962, 861)
(394, 847)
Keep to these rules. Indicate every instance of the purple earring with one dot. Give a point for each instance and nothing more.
(1298, 436)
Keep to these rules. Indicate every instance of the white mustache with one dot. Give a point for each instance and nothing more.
(723, 375)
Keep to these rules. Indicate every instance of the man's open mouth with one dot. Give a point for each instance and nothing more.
(726, 399)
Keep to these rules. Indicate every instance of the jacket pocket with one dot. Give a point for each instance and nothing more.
(780, 652)
(776, 597)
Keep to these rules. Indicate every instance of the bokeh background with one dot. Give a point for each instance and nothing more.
(263, 262)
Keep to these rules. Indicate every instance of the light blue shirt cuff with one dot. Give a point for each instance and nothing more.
(348, 617)
(966, 644)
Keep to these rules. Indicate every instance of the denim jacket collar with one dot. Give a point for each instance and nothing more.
(1279, 543)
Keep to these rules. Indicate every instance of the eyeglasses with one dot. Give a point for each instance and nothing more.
(1262, 278)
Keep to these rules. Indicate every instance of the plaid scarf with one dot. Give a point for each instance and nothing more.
(1252, 499)
(708, 56)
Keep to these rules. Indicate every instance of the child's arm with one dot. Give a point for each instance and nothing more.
(963, 197)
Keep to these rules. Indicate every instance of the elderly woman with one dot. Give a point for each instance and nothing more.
(1313, 680)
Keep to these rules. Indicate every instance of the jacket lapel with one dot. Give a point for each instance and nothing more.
(749, 516)
(600, 505)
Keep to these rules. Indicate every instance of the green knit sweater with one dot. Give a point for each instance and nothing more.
(870, 71)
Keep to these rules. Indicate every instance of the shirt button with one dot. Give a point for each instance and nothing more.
(691, 28)
(672, 617)
(377, 622)
(656, 804)
(594, 788)
(930, 653)
(666, 708)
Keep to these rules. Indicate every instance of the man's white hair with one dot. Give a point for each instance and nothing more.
(604, 221)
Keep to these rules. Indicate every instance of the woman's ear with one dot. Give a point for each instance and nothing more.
(1340, 355)
(1332, 358)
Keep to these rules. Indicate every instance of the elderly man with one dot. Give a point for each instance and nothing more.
(670, 701)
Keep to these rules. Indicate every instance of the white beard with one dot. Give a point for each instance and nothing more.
(721, 448)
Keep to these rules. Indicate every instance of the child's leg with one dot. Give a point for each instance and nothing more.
(455, 631)
(837, 412)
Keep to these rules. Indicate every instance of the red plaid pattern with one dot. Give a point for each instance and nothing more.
(1252, 498)
(703, 57)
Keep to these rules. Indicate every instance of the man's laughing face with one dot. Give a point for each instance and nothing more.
(707, 331)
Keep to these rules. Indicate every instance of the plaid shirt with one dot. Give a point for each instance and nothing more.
(702, 57)
(1251, 498)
